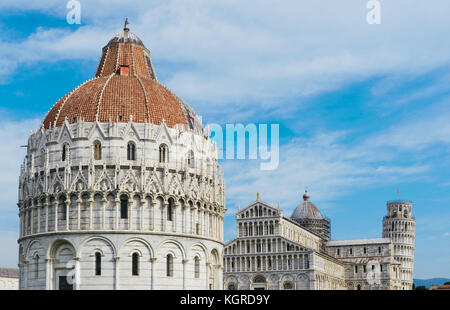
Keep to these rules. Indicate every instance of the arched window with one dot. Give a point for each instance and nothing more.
(190, 159)
(42, 161)
(36, 266)
(135, 263)
(64, 152)
(358, 287)
(170, 210)
(197, 267)
(97, 150)
(98, 264)
(169, 265)
(124, 207)
(62, 209)
(259, 279)
(288, 286)
(163, 153)
(231, 287)
(131, 151)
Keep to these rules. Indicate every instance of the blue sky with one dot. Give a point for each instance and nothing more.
(363, 109)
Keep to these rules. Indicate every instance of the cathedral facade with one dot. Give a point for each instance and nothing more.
(120, 187)
(273, 252)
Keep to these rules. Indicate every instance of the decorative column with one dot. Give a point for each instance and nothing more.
(219, 274)
(206, 221)
(200, 221)
(32, 217)
(79, 201)
(46, 206)
(185, 261)
(116, 273)
(175, 217)
(141, 215)
(39, 208)
(130, 213)
(117, 201)
(153, 262)
(67, 214)
(25, 274)
(207, 275)
(104, 203)
(56, 214)
(153, 204)
(193, 223)
(164, 215)
(21, 222)
(77, 273)
(183, 224)
(91, 207)
(48, 274)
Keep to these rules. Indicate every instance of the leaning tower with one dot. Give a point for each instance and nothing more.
(399, 226)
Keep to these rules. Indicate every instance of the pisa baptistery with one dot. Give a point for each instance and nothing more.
(120, 187)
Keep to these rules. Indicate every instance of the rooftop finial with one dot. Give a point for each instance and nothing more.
(257, 196)
(125, 27)
(306, 195)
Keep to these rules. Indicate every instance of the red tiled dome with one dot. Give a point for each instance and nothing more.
(125, 87)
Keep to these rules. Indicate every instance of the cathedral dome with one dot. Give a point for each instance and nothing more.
(123, 177)
(124, 88)
(306, 210)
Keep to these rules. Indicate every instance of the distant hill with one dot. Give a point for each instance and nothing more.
(429, 282)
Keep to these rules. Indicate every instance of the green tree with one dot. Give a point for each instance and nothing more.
(421, 288)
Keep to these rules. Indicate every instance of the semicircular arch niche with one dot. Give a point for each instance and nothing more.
(302, 282)
(87, 263)
(62, 257)
(141, 280)
(259, 282)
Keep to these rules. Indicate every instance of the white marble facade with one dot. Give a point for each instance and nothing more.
(144, 202)
(277, 253)
(9, 279)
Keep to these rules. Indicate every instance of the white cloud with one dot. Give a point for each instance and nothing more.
(430, 127)
(325, 163)
(244, 50)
